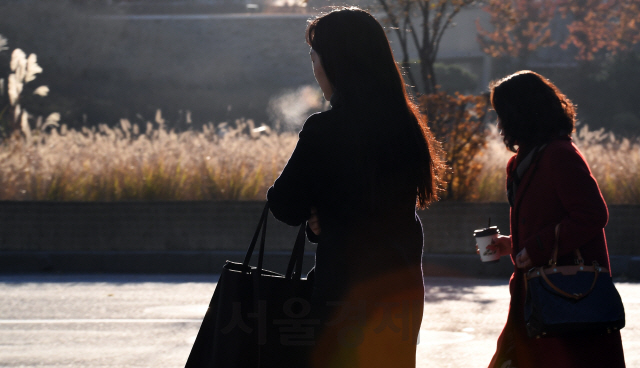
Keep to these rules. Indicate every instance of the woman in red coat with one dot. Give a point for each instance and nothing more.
(548, 183)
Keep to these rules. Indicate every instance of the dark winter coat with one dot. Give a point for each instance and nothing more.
(369, 253)
(557, 188)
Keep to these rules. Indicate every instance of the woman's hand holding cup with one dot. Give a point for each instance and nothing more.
(501, 245)
(484, 238)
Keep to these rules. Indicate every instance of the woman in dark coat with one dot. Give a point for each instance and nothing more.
(548, 183)
(356, 175)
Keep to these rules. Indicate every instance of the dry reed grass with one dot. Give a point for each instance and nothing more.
(119, 164)
(231, 162)
(614, 162)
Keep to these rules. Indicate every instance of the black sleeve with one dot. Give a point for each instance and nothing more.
(290, 196)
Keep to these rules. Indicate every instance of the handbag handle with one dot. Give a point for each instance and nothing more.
(564, 293)
(262, 225)
(553, 263)
(294, 269)
(554, 259)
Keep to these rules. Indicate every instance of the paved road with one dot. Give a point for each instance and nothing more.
(151, 321)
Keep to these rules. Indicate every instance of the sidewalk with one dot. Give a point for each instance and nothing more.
(91, 321)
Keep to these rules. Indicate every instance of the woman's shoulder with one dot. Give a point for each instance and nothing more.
(562, 148)
(319, 122)
(562, 145)
(563, 157)
(317, 118)
(312, 125)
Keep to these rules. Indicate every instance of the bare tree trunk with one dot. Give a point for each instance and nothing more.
(435, 17)
(428, 73)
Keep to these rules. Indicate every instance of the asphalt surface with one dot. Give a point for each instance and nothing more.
(151, 321)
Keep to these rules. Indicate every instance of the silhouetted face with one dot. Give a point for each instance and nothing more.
(499, 126)
(321, 77)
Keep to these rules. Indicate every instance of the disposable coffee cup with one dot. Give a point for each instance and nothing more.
(484, 238)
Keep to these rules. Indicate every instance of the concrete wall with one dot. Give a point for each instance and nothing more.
(219, 66)
(198, 237)
(229, 225)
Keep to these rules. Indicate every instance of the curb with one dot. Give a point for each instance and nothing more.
(211, 262)
(178, 262)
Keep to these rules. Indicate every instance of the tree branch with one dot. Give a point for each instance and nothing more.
(438, 38)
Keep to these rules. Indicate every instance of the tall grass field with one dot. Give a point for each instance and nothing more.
(231, 162)
(614, 162)
(130, 163)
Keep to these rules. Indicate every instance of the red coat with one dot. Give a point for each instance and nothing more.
(557, 188)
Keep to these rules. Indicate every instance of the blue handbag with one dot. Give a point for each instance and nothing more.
(563, 300)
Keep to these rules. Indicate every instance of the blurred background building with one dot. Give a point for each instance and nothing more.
(217, 60)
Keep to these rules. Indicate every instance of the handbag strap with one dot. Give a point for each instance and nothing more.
(294, 269)
(262, 225)
(294, 261)
(554, 258)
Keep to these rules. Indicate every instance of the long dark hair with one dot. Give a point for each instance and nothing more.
(531, 109)
(359, 63)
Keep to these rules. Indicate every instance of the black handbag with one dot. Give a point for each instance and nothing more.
(571, 299)
(256, 317)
